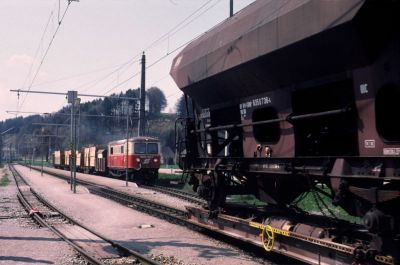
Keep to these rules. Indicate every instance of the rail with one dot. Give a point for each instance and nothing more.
(246, 231)
(42, 221)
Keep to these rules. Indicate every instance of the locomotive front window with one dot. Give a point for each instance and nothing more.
(140, 148)
(152, 148)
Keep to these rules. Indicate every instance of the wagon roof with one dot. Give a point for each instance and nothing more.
(259, 29)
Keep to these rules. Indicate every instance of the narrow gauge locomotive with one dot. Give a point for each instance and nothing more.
(141, 158)
(288, 94)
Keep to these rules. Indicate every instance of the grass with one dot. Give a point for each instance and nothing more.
(39, 163)
(170, 166)
(168, 176)
(312, 204)
(308, 202)
(165, 180)
(245, 199)
(4, 181)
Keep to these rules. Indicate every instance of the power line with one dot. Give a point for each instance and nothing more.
(68, 114)
(121, 83)
(162, 78)
(156, 42)
(171, 32)
(68, 94)
(37, 49)
(154, 63)
(168, 53)
(151, 45)
(78, 75)
(46, 52)
(97, 81)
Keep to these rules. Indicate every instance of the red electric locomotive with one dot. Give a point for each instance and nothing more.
(141, 157)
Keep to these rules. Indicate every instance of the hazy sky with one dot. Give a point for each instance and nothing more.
(93, 42)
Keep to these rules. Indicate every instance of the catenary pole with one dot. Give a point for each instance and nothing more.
(71, 99)
(1, 143)
(127, 143)
(142, 117)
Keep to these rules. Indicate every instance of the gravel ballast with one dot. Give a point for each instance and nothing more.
(21, 240)
(168, 243)
(132, 188)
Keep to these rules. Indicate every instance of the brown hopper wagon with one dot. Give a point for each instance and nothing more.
(288, 95)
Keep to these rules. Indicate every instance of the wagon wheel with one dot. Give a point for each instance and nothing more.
(268, 238)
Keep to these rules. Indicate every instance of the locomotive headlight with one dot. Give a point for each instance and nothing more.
(138, 159)
(155, 160)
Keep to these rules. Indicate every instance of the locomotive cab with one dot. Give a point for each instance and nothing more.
(140, 158)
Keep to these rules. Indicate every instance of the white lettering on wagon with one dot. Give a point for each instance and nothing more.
(257, 102)
(391, 151)
(243, 109)
(369, 143)
(364, 89)
(261, 101)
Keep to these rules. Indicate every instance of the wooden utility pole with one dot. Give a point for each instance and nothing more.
(231, 8)
(127, 144)
(142, 114)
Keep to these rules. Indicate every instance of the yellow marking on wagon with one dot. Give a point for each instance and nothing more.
(268, 234)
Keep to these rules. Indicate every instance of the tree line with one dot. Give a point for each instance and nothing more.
(99, 121)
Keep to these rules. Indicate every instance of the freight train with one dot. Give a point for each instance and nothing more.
(140, 159)
(287, 96)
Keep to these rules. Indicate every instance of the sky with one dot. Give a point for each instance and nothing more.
(96, 48)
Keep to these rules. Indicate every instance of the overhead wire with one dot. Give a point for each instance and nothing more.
(169, 52)
(97, 81)
(37, 51)
(167, 35)
(77, 75)
(158, 41)
(45, 53)
(162, 78)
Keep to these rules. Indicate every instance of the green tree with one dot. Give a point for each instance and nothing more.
(157, 101)
(180, 107)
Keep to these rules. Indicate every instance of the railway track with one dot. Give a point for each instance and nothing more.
(293, 235)
(190, 197)
(172, 215)
(143, 205)
(90, 244)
